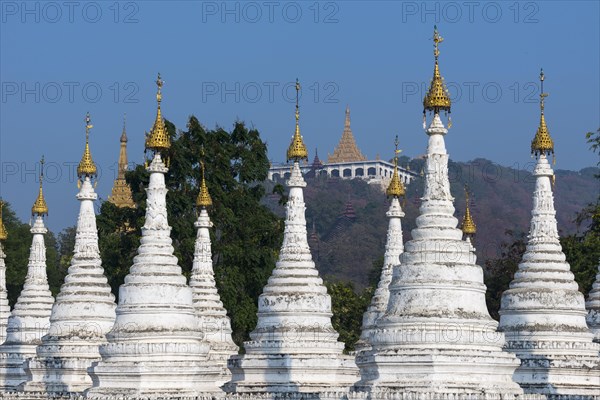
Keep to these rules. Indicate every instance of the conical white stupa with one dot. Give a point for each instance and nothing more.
(294, 346)
(155, 348)
(543, 313)
(393, 248)
(593, 307)
(4, 306)
(214, 322)
(84, 311)
(30, 318)
(437, 337)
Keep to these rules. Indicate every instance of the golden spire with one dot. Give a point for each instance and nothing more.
(203, 200)
(396, 188)
(468, 226)
(542, 142)
(297, 150)
(437, 97)
(124, 133)
(158, 139)
(40, 207)
(3, 232)
(86, 165)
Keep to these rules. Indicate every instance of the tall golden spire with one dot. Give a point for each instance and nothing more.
(3, 232)
(121, 192)
(297, 150)
(437, 98)
(542, 142)
(203, 200)
(468, 226)
(40, 207)
(86, 166)
(396, 188)
(158, 139)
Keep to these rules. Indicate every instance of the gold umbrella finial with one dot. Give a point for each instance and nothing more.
(86, 166)
(468, 225)
(297, 150)
(203, 200)
(395, 188)
(40, 207)
(542, 143)
(158, 140)
(437, 98)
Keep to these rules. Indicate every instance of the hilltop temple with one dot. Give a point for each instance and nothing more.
(347, 162)
(427, 333)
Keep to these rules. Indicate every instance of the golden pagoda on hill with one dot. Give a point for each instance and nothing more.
(346, 150)
(121, 192)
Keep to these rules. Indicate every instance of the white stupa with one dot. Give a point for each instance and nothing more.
(84, 311)
(155, 348)
(294, 346)
(437, 337)
(30, 318)
(393, 248)
(543, 313)
(214, 322)
(593, 307)
(4, 306)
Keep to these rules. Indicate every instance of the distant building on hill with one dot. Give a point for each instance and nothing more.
(346, 162)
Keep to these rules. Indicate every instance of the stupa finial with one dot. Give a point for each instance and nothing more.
(40, 207)
(542, 143)
(158, 139)
(396, 188)
(203, 200)
(124, 133)
(468, 225)
(86, 166)
(437, 98)
(297, 150)
(3, 231)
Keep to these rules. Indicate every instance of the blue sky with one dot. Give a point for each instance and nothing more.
(223, 61)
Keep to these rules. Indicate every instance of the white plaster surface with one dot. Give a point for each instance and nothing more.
(155, 348)
(214, 322)
(30, 318)
(84, 312)
(437, 334)
(593, 306)
(393, 248)
(543, 313)
(294, 347)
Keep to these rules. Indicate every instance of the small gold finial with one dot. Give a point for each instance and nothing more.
(86, 166)
(40, 207)
(468, 226)
(542, 143)
(3, 231)
(437, 97)
(395, 188)
(203, 200)
(297, 150)
(158, 139)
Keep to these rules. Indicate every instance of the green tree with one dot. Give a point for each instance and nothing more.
(499, 272)
(348, 308)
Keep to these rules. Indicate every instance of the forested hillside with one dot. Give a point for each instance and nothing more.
(501, 201)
